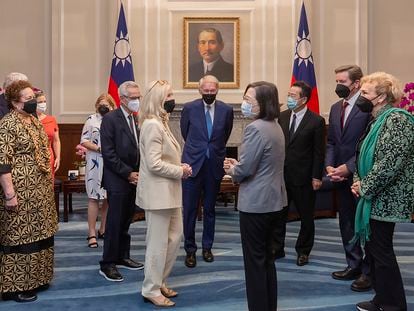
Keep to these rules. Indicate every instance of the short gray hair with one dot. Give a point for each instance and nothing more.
(123, 88)
(208, 78)
(14, 76)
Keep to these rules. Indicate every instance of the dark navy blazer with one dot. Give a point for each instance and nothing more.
(119, 151)
(341, 144)
(194, 131)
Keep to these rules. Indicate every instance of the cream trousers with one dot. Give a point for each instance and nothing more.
(164, 234)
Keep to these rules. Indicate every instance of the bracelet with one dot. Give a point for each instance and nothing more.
(11, 198)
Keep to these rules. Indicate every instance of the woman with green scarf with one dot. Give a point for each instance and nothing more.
(383, 181)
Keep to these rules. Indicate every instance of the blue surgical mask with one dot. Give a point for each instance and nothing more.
(246, 109)
(133, 105)
(292, 103)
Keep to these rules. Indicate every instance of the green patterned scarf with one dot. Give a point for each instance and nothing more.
(365, 163)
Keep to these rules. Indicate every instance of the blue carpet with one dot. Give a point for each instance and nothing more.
(216, 286)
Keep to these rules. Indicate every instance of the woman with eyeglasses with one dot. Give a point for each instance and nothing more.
(262, 193)
(28, 220)
(159, 192)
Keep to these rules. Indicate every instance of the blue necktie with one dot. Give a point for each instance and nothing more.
(209, 124)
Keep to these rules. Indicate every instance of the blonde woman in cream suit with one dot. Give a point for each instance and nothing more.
(159, 191)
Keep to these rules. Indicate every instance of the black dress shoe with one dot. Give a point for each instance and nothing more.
(43, 287)
(280, 254)
(190, 260)
(27, 296)
(129, 264)
(302, 260)
(347, 274)
(208, 255)
(368, 306)
(362, 284)
(111, 273)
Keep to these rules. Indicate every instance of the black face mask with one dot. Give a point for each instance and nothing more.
(103, 110)
(209, 98)
(30, 106)
(169, 105)
(342, 90)
(364, 104)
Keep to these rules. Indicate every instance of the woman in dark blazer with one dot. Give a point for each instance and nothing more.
(262, 192)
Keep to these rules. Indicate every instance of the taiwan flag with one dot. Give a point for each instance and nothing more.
(121, 69)
(303, 64)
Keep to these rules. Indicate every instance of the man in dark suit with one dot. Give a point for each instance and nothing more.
(206, 125)
(210, 44)
(11, 77)
(119, 143)
(304, 133)
(346, 125)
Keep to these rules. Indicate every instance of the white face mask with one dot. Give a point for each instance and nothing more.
(41, 107)
(133, 105)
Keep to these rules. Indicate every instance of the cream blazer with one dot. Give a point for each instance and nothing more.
(160, 172)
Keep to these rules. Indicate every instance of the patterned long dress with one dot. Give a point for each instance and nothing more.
(26, 236)
(94, 160)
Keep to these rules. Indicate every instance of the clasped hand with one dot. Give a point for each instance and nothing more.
(337, 174)
(228, 164)
(133, 178)
(187, 170)
(355, 188)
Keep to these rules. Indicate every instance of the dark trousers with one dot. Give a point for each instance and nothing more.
(259, 251)
(385, 273)
(304, 200)
(117, 241)
(347, 208)
(192, 188)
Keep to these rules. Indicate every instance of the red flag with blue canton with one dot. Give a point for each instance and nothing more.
(303, 65)
(121, 69)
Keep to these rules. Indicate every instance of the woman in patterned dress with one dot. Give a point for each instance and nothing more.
(52, 131)
(28, 219)
(383, 180)
(91, 140)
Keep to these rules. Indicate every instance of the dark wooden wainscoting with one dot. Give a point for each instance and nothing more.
(69, 136)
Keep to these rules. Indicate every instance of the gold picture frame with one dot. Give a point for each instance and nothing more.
(204, 51)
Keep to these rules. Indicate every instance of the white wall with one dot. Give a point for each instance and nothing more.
(65, 46)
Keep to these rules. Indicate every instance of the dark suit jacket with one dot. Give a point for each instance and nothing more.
(119, 151)
(341, 144)
(222, 70)
(194, 131)
(4, 109)
(305, 153)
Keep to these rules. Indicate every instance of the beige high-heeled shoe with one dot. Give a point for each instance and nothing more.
(168, 292)
(160, 301)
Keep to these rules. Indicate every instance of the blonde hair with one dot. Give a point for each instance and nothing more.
(152, 104)
(385, 83)
(106, 97)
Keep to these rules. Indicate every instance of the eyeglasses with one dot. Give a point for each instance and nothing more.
(251, 100)
(160, 82)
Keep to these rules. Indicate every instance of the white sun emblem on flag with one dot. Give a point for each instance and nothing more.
(122, 50)
(304, 50)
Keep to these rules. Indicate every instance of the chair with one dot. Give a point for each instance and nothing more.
(57, 187)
